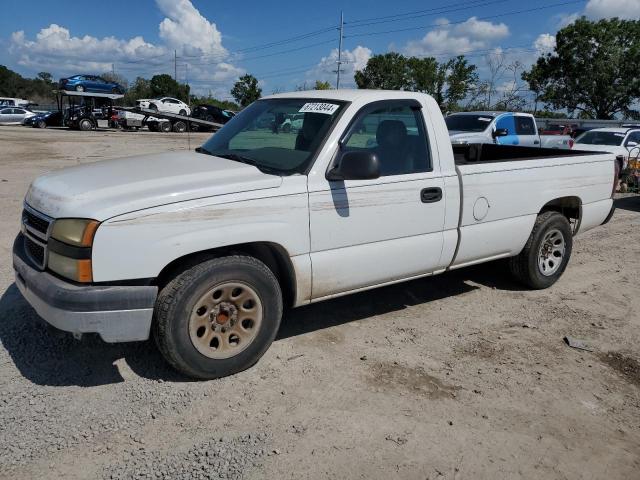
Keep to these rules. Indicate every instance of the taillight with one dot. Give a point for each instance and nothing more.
(616, 173)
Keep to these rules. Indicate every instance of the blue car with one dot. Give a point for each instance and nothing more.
(90, 83)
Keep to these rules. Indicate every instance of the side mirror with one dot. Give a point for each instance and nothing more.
(500, 132)
(356, 165)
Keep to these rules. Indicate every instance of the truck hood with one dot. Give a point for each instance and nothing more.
(457, 136)
(108, 188)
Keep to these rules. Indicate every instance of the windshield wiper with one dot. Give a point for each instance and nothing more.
(249, 161)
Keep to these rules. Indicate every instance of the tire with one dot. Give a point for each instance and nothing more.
(180, 127)
(537, 268)
(85, 125)
(164, 127)
(178, 321)
(183, 113)
(153, 106)
(79, 88)
(152, 127)
(41, 124)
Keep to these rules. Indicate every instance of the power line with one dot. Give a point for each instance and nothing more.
(488, 17)
(422, 13)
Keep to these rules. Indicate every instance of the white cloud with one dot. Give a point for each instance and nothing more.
(450, 39)
(184, 29)
(355, 59)
(187, 30)
(545, 43)
(627, 9)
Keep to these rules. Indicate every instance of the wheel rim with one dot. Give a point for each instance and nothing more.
(551, 252)
(225, 320)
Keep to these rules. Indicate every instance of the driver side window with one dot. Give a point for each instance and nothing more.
(396, 134)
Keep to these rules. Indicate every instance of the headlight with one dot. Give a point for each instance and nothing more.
(70, 248)
(75, 231)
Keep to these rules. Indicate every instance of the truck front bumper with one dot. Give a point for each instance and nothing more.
(117, 313)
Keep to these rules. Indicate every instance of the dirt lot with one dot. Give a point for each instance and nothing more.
(459, 376)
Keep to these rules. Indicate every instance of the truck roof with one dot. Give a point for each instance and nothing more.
(349, 95)
(615, 130)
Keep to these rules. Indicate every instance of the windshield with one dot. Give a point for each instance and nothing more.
(468, 123)
(613, 139)
(278, 135)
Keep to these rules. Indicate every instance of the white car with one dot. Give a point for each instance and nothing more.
(206, 248)
(622, 142)
(165, 104)
(14, 115)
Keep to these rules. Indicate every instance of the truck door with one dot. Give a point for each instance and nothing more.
(526, 131)
(368, 232)
(506, 121)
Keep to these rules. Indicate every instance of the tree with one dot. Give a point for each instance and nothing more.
(460, 77)
(117, 78)
(592, 69)
(246, 90)
(165, 85)
(46, 77)
(386, 71)
(320, 85)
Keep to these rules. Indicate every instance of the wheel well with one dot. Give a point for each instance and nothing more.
(272, 255)
(570, 207)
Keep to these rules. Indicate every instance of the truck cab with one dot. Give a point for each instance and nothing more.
(501, 128)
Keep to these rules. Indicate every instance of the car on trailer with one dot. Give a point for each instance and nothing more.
(210, 113)
(165, 104)
(91, 84)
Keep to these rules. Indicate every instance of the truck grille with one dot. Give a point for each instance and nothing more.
(36, 229)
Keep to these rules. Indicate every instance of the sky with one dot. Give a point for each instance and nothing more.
(283, 44)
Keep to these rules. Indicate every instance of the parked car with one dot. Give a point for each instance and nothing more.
(292, 123)
(14, 115)
(46, 119)
(502, 128)
(619, 141)
(210, 113)
(90, 83)
(206, 248)
(165, 104)
(14, 102)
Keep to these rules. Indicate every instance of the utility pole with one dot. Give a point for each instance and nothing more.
(113, 69)
(175, 65)
(340, 50)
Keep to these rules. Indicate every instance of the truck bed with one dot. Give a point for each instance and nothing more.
(491, 153)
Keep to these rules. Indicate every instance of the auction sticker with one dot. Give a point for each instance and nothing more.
(327, 108)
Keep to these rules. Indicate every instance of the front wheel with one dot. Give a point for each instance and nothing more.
(546, 253)
(85, 125)
(219, 317)
(79, 88)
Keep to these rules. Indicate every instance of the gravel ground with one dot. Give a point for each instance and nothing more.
(464, 375)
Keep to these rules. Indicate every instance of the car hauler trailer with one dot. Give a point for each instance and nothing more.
(81, 106)
(161, 121)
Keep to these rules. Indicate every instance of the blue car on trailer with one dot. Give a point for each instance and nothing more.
(90, 83)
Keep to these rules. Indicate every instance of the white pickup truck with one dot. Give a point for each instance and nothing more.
(206, 248)
(502, 128)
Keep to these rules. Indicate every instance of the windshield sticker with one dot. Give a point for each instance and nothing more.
(327, 108)
(485, 119)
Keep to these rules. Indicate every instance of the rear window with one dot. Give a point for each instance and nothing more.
(613, 139)
(468, 123)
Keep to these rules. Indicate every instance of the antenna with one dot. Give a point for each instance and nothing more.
(339, 62)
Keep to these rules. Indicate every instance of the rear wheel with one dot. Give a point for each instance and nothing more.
(165, 127)
(85, 124)
(179, 127)
(79, 88)
(546, 253)
(218, 318)
(182, 112)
